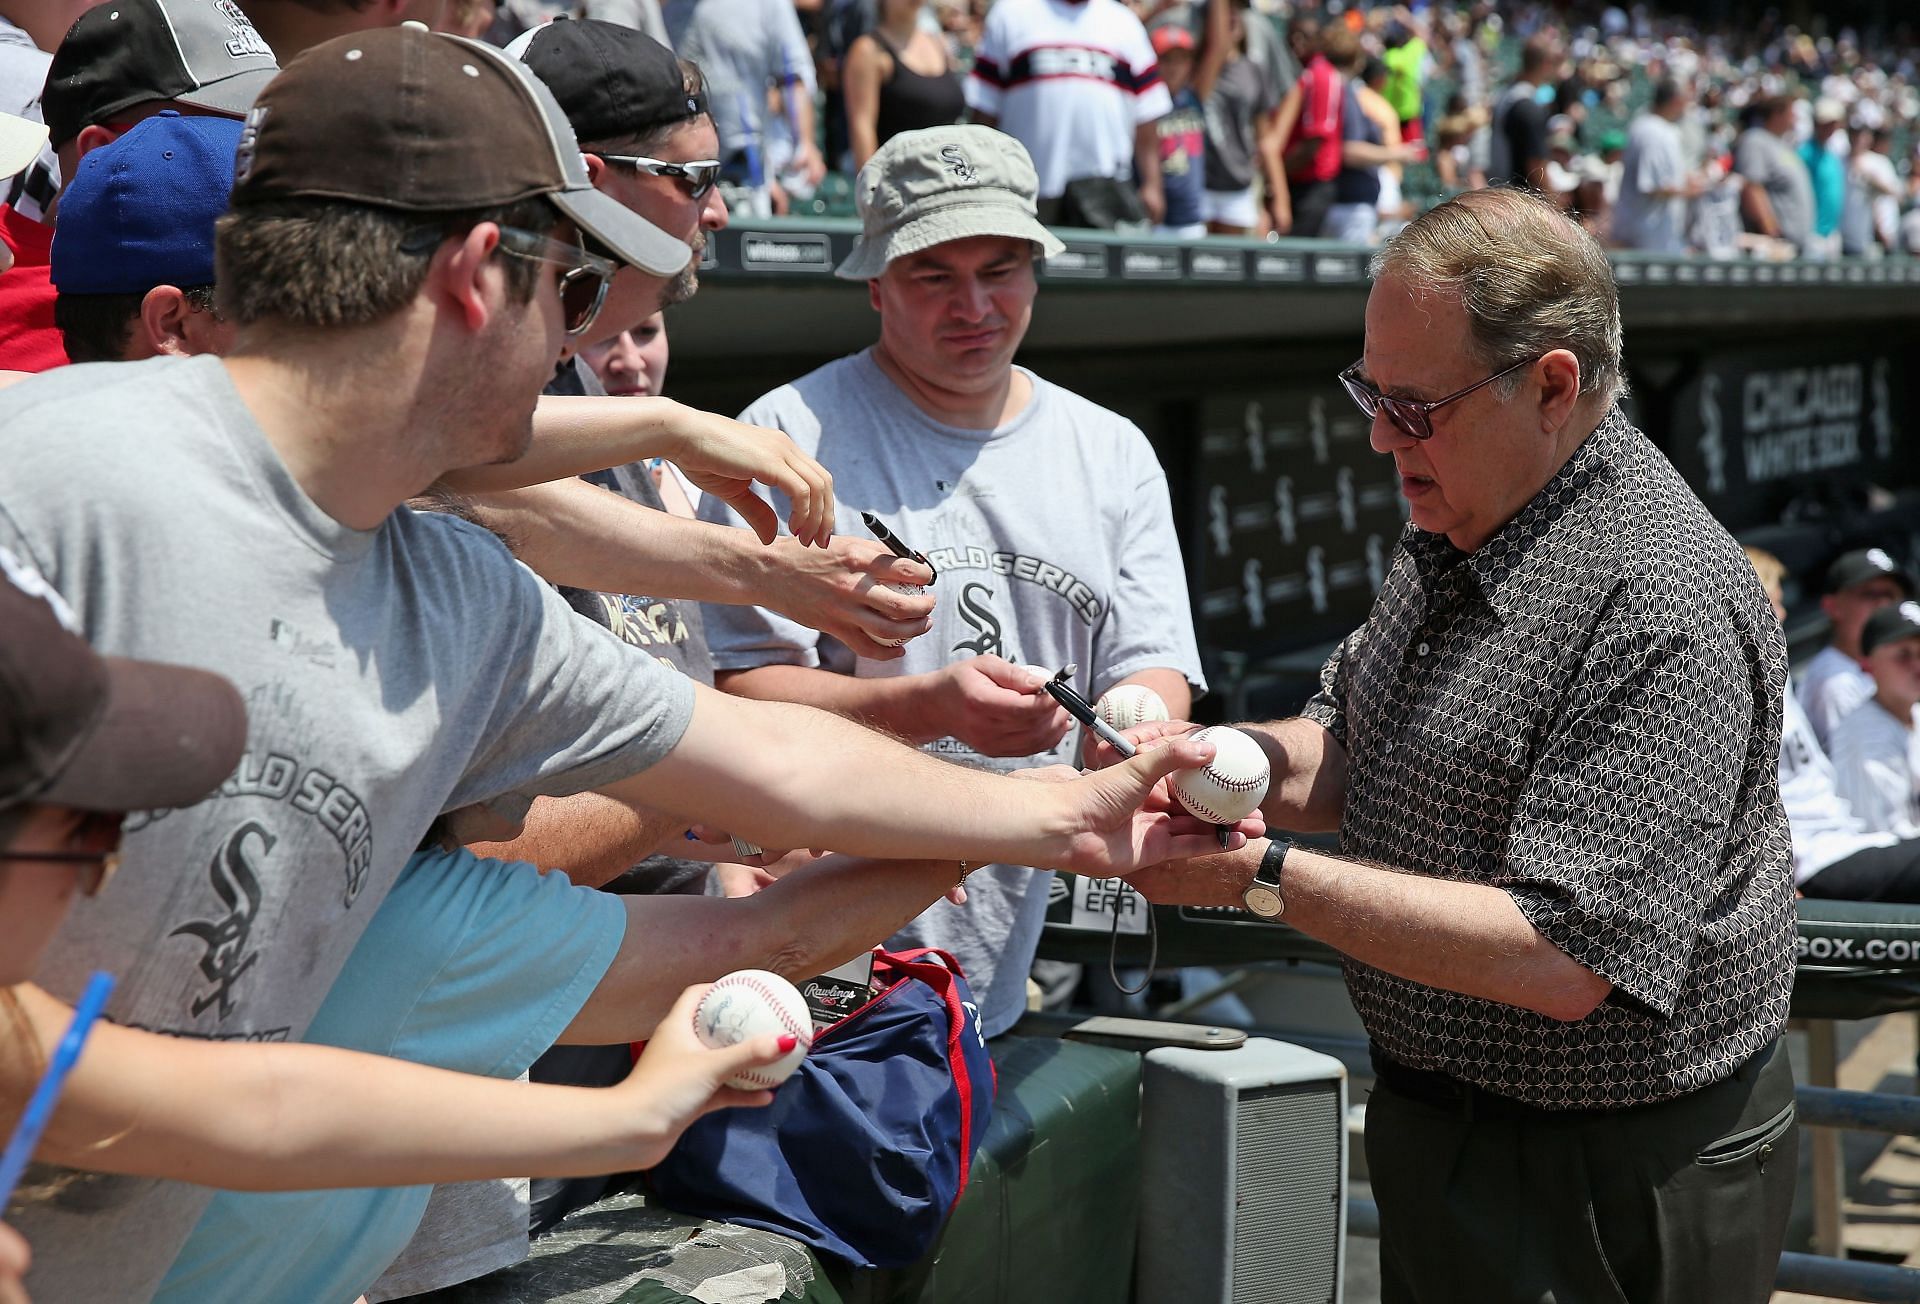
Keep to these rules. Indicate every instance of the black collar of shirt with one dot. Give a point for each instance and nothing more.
(1530, 551)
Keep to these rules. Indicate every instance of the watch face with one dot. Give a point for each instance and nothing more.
(1264, 901)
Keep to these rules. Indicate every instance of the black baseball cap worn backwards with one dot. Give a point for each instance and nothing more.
(611, 81)
(420, 122)
(201, 53)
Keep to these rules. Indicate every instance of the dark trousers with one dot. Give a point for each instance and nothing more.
(1484, 1201)
(1876, 874)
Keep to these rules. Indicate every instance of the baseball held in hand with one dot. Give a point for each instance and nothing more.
(754, 1003)
(1130, 704)
(912, 591)
(1231, 786)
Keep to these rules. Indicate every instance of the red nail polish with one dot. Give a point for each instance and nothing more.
(787, 1042)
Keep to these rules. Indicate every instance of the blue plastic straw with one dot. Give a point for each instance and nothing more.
(26, 1135)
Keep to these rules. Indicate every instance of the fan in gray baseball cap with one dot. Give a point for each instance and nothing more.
(925, 188)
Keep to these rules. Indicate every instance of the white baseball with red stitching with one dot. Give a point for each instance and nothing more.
(1127, 705)
(1231, 786)
(752, 1003)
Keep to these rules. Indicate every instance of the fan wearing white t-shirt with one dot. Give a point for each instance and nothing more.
(1076, 82)
(1834, 855)
(1858, 584)
(1873, 747)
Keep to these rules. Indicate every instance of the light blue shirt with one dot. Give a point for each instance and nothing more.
(474, 965)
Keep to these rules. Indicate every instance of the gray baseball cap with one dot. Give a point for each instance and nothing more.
(926, 188)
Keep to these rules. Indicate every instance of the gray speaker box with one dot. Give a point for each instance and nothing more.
(1243, 1176)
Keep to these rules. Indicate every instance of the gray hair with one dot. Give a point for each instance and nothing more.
(1529, 278)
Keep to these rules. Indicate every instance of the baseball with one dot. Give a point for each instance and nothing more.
(754, 1003)
(912, 591)
(1230, 787)
(1130, 704)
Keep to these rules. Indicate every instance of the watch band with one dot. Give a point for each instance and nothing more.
(1262, 896)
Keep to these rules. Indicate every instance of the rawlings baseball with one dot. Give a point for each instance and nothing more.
(754, 1003)
(911, 590)
(1228, 788)
(1130, 704)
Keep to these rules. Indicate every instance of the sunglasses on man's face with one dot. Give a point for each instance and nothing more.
(1411, 416)
(583, 285)
(93, 844)
(697, 176)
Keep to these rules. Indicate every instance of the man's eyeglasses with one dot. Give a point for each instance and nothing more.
(94, 845)
(698, 177)
(1412, 416)
(583, 285)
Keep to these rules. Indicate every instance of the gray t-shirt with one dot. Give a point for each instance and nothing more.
(1773, 165)
(1053, 540)
(390, 675)
(1654, 160)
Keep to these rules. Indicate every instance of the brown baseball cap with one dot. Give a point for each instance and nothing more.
(102, 733)
(421, 122)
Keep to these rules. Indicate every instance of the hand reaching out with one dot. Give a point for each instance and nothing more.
(843, 589)
(726, 458)
(1128, 817)
(678, 1080)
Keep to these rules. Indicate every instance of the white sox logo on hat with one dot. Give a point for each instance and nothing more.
(957, 163)
(242, 39)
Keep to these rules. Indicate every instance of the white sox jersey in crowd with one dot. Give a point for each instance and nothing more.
(1874, 767)
(1070, 82)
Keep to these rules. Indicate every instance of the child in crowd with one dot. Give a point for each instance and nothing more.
(1858, 584)
(1873, 746)
(1835, 855)
(1183, 136)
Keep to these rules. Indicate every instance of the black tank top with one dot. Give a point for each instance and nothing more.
(910, 101)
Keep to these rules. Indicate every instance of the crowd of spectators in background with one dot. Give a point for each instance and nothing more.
(1282, 117)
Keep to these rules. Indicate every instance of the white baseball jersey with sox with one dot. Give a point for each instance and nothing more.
(1052, 537)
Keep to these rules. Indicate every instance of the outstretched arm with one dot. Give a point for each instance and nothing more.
(254, 1117)
(803, 924)
(573, 435)
(575, 533)
(791, 776)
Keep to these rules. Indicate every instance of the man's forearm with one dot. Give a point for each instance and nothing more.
(1309, 788)
(787, 775)
(575, 533)
(590, 838)
(573, 435)
(1460, 937)
(806, 923)
(894, 705)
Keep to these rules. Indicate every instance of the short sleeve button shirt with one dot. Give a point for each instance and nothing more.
(1585, 712)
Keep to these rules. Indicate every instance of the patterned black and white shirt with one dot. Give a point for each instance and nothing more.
(1585, 712)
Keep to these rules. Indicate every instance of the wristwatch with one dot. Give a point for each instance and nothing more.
(1262, 896)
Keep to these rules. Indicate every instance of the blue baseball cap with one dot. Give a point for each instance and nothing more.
(140, 211)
